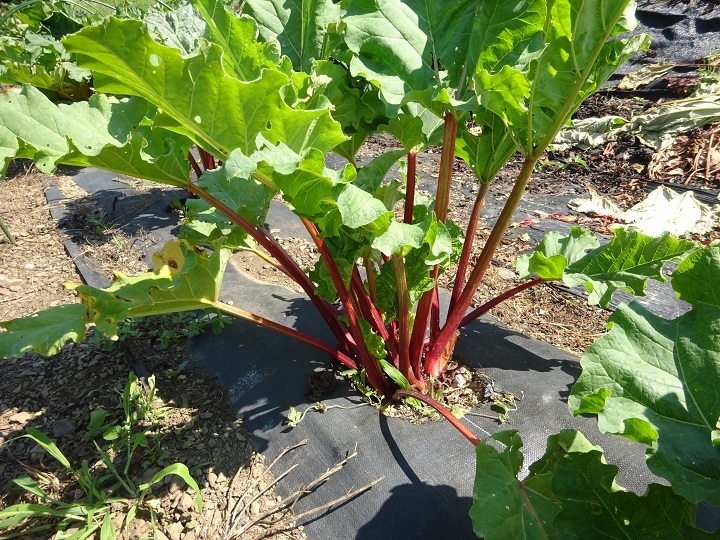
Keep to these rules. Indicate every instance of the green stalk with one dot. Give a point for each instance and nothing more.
(404, 321)
(7, 232)
(432, 361)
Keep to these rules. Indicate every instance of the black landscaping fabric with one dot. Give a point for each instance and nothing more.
(428, 469)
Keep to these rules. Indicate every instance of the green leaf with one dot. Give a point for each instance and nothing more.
(390, 47)
(300, 26)
(195, 96)
(107, 530)
(374, 342)
(662, 377)
(182, 471)
(399, 237)
(395, 374)
(103, 132)
(370, 176)
(44, 332)
(46, 127)
(244, 56)
(183, 280)
(31, 486)
(555, 253)
(48, 445)
(502, 506)
(416, 127)
(570, 492)
(626, 262)
(486, 148)
(234, 185)
(549, 59)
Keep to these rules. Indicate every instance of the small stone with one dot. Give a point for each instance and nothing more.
(212, 479)
(205, 415)
(22, 417)
(186, 503)
(221, 478)
(63, 428)
(506, 273)
(176, 484)
(174, 530)
(255, 508)
(190, 525)
(190, 535)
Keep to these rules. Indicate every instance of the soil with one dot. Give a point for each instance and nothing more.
(198, 428)
(57, 395)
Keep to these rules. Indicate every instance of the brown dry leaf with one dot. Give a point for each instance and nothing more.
(689, 156)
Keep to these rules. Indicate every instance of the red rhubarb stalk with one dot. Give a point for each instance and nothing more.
(457, 424)
(410, 187)
(262, 237)
(468, 245)
(433, 359)
(375, 376)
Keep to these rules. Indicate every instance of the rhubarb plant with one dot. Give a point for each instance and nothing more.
(238, 108)
(651, 380)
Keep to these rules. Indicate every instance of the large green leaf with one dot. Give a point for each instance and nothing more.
(570, 492)
(300, 26)
(627, 262)
(655, 381)
(244, 55)
(538, 76)
(104, 132)
(390, 47)
(181, 27)
(195, 96)
(46, 127)
(554, 253)
(486, 147)
(45, 332)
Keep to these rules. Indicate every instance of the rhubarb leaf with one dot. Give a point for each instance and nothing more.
(103, 132)
(195, 96)
(304, 42)
(486, 147)
(555, 252)
(370, 176)
(244, 55)
(234, 185)
(181, 28)
(44, 332)
(502, 506)
(662, 381)
(570, 492)
(539, 73)
(625, 263)
(389, 46)
(45, 127)
(184, 279)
